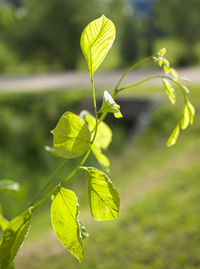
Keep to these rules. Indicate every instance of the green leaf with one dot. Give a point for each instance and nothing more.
(185, 119)
(13, 238)
(103, 197)
(185, 79)
(162, 51)
(174, 136)
(166, 69)
(96, 40)
(170, 91)
(3, 221)
(109, 105)
(101, 158)
(71, 136)
(64, 214)
(12, 187)
(83, 231)
(191, 111)
(174, 74)
(185, 88)
(52, 151)
(102, 140)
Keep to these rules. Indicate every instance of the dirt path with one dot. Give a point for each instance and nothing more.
(81, 80)
(132, 193)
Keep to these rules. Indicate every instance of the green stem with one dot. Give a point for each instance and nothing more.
(51, 177)
(57, 187)
(94, 100)
(127, 71)
(150, 78)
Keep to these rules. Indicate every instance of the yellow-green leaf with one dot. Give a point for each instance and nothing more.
(109, 105)
(101, 158)
(162, 51)
(64, 218)
(13, 237)
(52, 151)
(3, 221)
(191, 111)
(174, 74)
(12, 187)
(104, 133)
(170, 91)
(166, 69)
(96, 40)
(185, 119)
(102, 140)
(71, 136)
(103, 197)
(185, 79)
(174, 136)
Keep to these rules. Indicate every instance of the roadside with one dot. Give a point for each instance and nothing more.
(69, 80)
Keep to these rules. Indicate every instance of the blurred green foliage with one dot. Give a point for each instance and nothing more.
(44, 36)
(159, 223)
(26, 121)
(180, 19)
(47, 33)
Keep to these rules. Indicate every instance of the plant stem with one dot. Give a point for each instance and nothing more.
(127, 71)
(57, 187)
(51, 177)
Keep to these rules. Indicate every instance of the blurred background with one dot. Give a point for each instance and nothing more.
(159, 222)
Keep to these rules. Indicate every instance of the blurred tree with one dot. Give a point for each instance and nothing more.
(49, 31)
(138, 31)
(129, 41)
(181, 19)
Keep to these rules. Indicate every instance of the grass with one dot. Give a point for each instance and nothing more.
(159, 190)
(159, 222)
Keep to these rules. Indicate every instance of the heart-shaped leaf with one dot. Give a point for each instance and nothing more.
(71, 136)
(102, 140)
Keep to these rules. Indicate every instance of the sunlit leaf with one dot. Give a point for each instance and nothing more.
(162, 51)
(160, 61)
(71, 136)
(64, 214)
(13, 237)
(185, 79)
(104, 133)
(101, 158)
(174, 136)
(166, 69)
(191, 111)
(170, 91)
(83, 231)
(96, 40)
(185, 88)
(165, 62)
(12, 187)
(52, 151)
(174, 74)
(103, 197)
(102, 140)
(109, 105)
(3, 221)
(185, 119)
